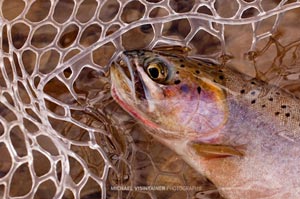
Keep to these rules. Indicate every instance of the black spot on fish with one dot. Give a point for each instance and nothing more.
(253, 101)
(253, 93)
(184, 88)
(181, 60)
(221, 77)
(199, 89)
(277, 93)
(197, 71)
(287, 114)
(177, 81)
(263, 105)
(177, 72)
(271, 99)
(283, 106)
(220, 71)
(242, 91)
(276, 113)
(253, 83)
(181, 65)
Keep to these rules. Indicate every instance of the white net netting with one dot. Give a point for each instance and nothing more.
(62, 135)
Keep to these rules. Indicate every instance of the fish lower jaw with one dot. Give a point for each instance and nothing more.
(130, 108)
(212, 137)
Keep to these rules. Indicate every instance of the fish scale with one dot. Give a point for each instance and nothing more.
(273, 103)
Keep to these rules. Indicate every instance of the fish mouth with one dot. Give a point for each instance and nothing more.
(127, 89)
(126, 80)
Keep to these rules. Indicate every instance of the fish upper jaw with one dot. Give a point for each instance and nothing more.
(135, 81)
(120, 79)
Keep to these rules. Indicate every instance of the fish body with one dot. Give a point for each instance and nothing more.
(240, 132)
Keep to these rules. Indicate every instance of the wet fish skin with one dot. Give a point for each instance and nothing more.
(231, 109)
(161, 108)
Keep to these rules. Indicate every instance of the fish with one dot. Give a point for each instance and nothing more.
(240, 132)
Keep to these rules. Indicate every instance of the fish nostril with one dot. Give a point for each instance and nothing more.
(127, 53)
(131, 53)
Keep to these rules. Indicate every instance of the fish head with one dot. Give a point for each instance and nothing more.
(169, 94)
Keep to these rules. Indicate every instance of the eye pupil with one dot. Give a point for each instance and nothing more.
(154, 72)
(157, 71)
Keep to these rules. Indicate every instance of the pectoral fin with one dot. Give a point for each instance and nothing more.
(215, 151)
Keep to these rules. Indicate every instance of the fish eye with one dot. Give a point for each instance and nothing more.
(157, 72)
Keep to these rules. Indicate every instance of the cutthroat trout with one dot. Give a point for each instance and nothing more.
(240, 132)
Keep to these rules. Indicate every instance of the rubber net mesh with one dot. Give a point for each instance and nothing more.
(62, 135)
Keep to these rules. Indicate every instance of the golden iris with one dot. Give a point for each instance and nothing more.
(157, 72)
